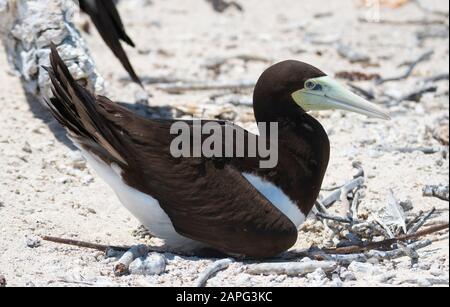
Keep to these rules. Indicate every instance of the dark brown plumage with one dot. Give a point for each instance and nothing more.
(207, 200)
(107, 20)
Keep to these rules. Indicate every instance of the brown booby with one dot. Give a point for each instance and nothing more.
(231, 205)
(107, 20)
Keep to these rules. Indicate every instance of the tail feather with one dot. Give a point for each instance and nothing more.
(62, 108)
(76, 109)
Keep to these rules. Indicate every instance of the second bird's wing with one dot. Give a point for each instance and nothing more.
(107, 20)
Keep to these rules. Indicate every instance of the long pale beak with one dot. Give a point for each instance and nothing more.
(325, 93)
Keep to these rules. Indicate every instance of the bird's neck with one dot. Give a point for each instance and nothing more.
(304, 151)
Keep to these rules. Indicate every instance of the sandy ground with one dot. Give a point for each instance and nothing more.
(46, 189)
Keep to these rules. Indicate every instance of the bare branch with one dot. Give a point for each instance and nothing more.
(425, 150)
(334, 218)
(345, 259)
(122, 266)
(386, 244)
(424, 57)
(439, 191)
(213, 269)
(336, 195)
(99, 247)
(421, 222)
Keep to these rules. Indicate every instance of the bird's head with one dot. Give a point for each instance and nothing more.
(292, 86)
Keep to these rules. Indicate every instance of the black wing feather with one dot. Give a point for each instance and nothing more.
(107, 20)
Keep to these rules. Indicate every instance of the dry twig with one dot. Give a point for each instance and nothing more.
(424, 57)
(386, 244)
(421, 222)
(439, 191)
(425, 150)
(416, 94)
(414, 219)
(437, 78)
(407, 22)
(345, 259)
(338, 219)
(410, 252)
(355, 204)
(122, 266)
(99, 247)
(367, 93)
(213, 269)
(357, 256)
(428, 10)
(348, 187)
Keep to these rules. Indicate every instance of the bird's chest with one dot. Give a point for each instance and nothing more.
(278, 197)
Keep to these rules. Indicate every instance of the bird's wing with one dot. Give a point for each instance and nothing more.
(207, 200)
(107, 20)
(111, 9)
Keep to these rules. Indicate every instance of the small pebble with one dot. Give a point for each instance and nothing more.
(436, 271)
(245, 280)
(386, 278)
(112, 253)
(336, 281)
(318, 275)
(78, 162)
(153, 264)
(27, 148)
(279, 279)
(63, 180)
(33, 242)
(362, 270)
(407, 205)
(375, 154)
(2, 281)
(424, 266)
(348, 276)
(108, 260)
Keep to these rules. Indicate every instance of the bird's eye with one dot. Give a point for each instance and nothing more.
(318, 87)
(310, 85)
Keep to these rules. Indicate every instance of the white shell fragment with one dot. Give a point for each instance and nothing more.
(153, 264)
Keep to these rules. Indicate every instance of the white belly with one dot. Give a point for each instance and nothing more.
(144, 207)
(280, 200)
